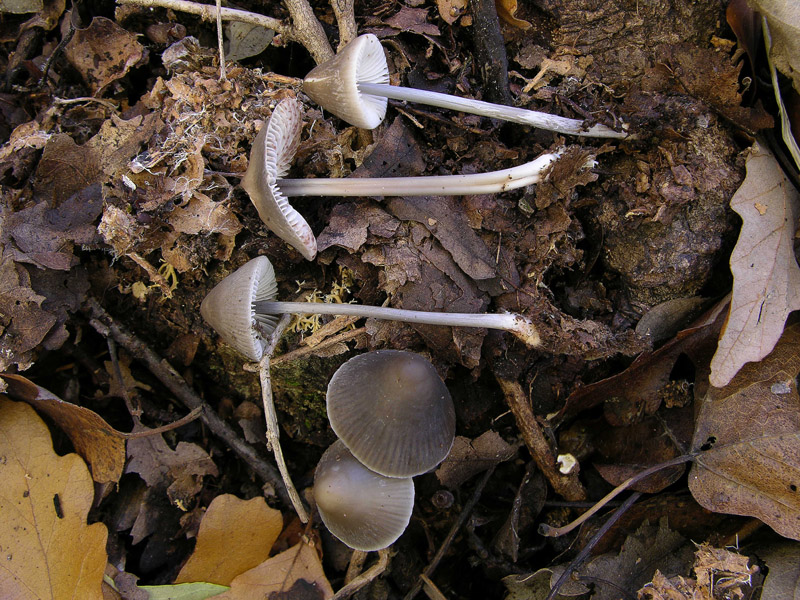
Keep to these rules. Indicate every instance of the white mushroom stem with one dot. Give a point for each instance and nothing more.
(517, 324)
(436, 185)
(487, 109)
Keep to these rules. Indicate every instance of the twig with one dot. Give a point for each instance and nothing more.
(462, 518)
(584, 553)
(342, 337)
(567, 486)
(153, 273)
(547, 531)
(221, 43)
(490, 50)
(304, 26)
(271, 417)
(108, 327)
(346, 20)
(194, 414)
(369, 575)
(357, 560)
(134, 411)
(430, 589)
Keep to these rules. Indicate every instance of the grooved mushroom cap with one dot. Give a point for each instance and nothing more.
(365, 510)
(393, 412)
(270, 158)
(228, 308)
(333, 84)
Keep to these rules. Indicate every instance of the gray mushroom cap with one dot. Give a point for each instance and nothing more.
(228, 308)
(334, 83)
(270, 158)
(393, 411)
(365, 510)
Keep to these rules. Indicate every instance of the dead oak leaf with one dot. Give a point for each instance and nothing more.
(99, 444)
(235, 535)
(766, 284)
(49, 552)
(748, 438)
(294, 573)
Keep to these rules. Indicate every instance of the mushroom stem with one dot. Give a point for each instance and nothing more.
(516, 324)
(436, 185)
(487, 109)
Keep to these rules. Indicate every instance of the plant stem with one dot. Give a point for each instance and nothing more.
(487, 109)
(436, 185)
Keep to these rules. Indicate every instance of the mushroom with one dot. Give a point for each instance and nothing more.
(392, 411)
(354, 86)
(274, 148)
(365, 510)
(242, 310)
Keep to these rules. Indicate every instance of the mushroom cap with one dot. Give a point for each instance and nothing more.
(365, 510)
(333, 84)
(393, 412)
(270, 158)
(228, 308)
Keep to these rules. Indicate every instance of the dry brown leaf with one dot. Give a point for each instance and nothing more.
(469, 457)
(103, 52)
(749, 435)
(451, 10)
(99, 444)
(48, 550)
(294, 573)
(766, 284)
(179, 471)
(783, 578)
(784, 24)
(235, 536)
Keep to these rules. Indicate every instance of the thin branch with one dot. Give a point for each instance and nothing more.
(462, 518)
(346, 20)
(220, 42)
(107, 326)
(271, 417)
(208, 12)
(367, 576)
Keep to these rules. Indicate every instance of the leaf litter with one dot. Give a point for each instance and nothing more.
(137, 205)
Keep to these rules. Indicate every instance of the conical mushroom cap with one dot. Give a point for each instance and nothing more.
(228, 308)
(365, 510)
(393, 412)
(270, 158)
(334, 84)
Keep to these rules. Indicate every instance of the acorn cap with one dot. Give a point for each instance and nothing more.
(270, 158)
(393, 411)
(365, 510)
(333, 84)
(228, 308)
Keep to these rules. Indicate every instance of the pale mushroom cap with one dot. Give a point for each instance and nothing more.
(365, 510)
(228, 308)
(270, 158)
(334, 84)
(393, 411)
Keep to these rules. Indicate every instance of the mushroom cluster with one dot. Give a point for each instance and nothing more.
(395, 419)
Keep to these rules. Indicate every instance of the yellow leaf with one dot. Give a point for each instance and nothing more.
(48, 551)
(235, 536)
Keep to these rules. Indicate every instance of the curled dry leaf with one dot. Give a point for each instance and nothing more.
(235, 535)
(784, 24)
(766, 284)
(748, 436)
(783, 577)
(48, 549)
(99, 444)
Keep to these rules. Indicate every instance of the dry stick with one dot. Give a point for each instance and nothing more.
(194, 414)
(462, 518)
(567, 486)
(357, 560)
(584, 553)
(547, 531)
(221, 43)
(106, 326)
(271, 417)
(304, 26)
(369, 575)
(342, 337)
(346, 20)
